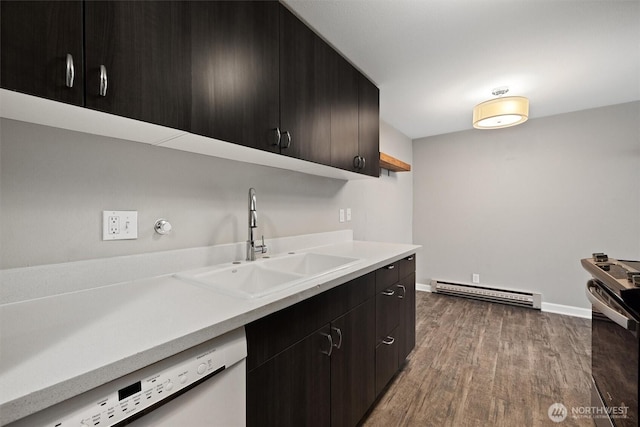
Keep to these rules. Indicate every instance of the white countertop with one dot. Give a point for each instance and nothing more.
(56, 347)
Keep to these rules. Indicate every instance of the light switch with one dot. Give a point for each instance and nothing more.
(341, 215)
(348, 214)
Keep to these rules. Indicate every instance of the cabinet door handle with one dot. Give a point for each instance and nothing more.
(71, 71)
(363, 162)
(404, 291)
(287, 140)
(388, 340)
(277, 136)
(339, 332)
(328, 352)
(410, 258)
(388, 292)
(390, 267)
(357, 162)
(103, 81)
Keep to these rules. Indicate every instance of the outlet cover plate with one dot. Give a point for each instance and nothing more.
(119, 225)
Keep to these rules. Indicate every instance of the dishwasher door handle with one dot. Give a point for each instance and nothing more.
(604, 308)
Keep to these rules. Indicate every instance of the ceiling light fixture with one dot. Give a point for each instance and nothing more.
(501, 112)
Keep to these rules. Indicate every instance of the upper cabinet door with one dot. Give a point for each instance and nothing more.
(305, 98)
(235, 63)
(344, 113)
(41, 49)
(138, 60)
(369, 127)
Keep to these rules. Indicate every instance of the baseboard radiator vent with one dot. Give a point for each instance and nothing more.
(504, 296)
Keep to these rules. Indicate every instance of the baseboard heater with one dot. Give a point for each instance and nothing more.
(504, 296)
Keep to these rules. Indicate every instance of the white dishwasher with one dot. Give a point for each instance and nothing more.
(203, 386)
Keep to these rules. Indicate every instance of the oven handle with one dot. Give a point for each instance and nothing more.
(604, 308)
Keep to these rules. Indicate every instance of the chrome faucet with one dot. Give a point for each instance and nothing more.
(253, 223)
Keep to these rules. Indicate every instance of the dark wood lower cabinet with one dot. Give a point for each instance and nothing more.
(353, 365)
(294, 387)
(333, 375)
(407, 325)
(386, 360)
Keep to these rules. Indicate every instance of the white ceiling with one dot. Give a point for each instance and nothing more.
(434, 60)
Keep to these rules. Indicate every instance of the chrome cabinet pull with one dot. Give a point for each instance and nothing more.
(388, 292)
(404, 291)
(388, 340)
(363, 162)
(277, 136)
(328, 352)
(390, 267)
(103, 81)
(71, 71)
(287, 138)
(339, 332)
(410, 258)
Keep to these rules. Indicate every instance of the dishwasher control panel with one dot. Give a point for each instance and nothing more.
(143, 390)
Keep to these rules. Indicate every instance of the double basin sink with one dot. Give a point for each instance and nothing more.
(266, 276)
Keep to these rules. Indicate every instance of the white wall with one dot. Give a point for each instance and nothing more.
(54, 185)
(521, 206)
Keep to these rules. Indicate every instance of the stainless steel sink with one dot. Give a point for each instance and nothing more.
(260, 278)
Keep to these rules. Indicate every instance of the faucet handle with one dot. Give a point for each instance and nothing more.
(262, 248)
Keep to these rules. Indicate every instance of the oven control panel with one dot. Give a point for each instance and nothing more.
(134, 393)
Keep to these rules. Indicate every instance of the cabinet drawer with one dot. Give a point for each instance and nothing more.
(387, 312)
(407, 265)
(386, 276)
(386, 360)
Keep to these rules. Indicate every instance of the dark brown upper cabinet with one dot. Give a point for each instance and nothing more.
(138, 60)
(344, 113)
(305, 101)
(235, 71)
(368, 127)
(41, 49)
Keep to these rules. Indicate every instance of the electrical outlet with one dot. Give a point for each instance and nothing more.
(348, 214)
(341, 215)
(119, 225)
(475, 278)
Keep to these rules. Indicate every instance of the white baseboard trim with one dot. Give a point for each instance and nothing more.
(423, 288)
(567, 310)
(548, 307)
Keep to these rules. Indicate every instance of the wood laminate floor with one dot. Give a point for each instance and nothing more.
(485, 364)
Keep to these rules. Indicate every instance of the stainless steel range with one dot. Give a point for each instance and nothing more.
(614, 293)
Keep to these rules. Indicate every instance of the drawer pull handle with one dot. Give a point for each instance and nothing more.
(410, 258)
(388, 340)
(404, 291)
(328, 352)
(390, 267)
(339, 332)
(388, 292)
